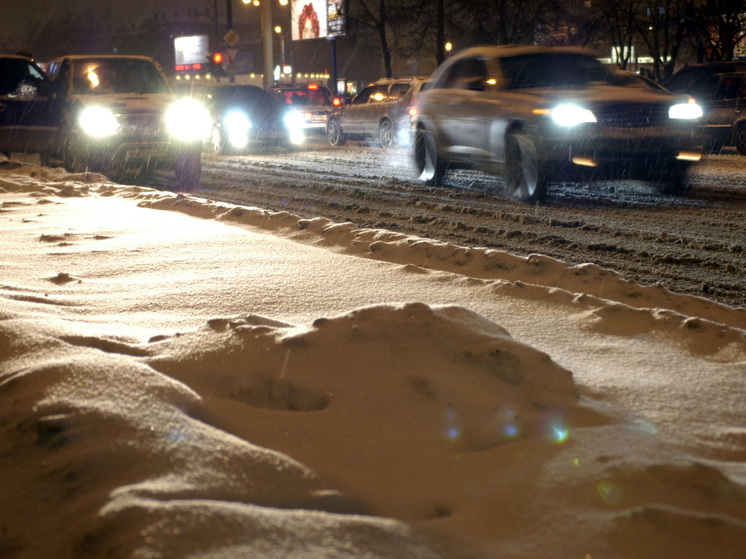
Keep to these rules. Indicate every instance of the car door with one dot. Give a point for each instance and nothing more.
(30, 107)
(365, 108)
(465, 122)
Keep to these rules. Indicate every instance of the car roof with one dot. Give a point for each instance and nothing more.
(74, 57)
(498, 51)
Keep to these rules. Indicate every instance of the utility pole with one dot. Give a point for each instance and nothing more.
(267, 40)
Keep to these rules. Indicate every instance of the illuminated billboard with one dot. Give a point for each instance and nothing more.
(315, 19)
(191, 50)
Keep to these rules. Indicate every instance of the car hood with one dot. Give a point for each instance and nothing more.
(127, 103)
(595, 95)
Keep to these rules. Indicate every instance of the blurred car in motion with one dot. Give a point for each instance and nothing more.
(122, 117)
(31, 108)
(536, 114)
(246, 118)
(313, 102)
(723, 100)
(379, 111)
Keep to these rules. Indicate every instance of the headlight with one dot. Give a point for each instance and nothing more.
(570, 115)
(98, 121)
(237, 125)
(188, 120)
(236, 122)
(685, 111)
(294, 120)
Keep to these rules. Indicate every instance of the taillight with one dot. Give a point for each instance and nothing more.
(337, 102)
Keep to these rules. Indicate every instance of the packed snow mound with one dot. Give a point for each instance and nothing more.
(253, 384)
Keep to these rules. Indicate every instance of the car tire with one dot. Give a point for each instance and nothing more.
(73, 163)
(525, 180)
(334, 133)
(431, 168)
(739, 139)
(187, 172)
(386, 133)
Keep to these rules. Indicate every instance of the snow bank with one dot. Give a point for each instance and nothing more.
(425, 401)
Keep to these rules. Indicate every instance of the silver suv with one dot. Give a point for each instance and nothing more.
(536, 114)
(122, 117)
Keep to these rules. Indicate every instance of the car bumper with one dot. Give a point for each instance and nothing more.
(614, 148)
(122, 153)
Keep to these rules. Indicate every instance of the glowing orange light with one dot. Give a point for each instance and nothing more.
(337, 102)
(313, 86)
(217, 58)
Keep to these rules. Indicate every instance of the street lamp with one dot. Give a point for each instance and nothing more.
(449, 48)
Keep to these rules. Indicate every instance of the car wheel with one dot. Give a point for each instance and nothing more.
(334, 133)
(525, 181)
(432, 169)
(187, 172)
(386, 133)
(739, 139)
(73, 163)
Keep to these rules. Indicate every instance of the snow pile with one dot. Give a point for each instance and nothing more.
(246, 385)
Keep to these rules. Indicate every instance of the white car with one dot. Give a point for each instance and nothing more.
(536, 114)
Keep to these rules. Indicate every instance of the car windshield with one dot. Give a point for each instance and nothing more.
(117, 75)
(551, 69)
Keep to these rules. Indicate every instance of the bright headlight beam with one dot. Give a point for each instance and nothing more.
(188, 120)
(685, 111)
(98, 121)
(569, 115)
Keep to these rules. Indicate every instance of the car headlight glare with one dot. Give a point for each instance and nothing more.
(236, 122)
(569, 115)
(294, 120)
(188, 120)
(685, 111)
(98, 121)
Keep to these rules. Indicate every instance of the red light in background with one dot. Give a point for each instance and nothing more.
(337, 102)
(313, 86)
(217, 58)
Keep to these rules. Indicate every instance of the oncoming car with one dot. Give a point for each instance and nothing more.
(313, 102)
(540, 114)
(246, 118)
(122, 117)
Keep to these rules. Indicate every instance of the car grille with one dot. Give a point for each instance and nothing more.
(141, 125)
(632, 115)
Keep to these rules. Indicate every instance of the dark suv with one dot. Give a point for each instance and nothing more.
(379, 111)
(536, 114)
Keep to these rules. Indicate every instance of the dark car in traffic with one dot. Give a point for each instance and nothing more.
(682, 80)
(247, 118)
(121, 117)
(723, 100)
(31, 108)
(539, 114)
(314, 103)
(380, 111)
